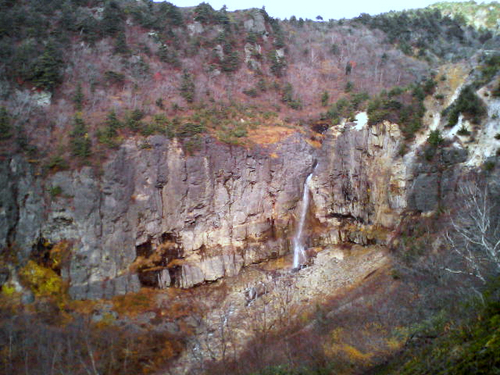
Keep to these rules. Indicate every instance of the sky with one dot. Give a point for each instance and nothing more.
(334, 9)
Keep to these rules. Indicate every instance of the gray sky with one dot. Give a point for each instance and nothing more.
(312, 8)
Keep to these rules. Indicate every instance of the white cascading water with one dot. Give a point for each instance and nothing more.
(299, 255)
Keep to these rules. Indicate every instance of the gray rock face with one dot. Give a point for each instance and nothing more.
(158, 216)
(360, 179)
(21, 202)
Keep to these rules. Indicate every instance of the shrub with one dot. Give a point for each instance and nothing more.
(57, 163)
(489, 165)
(325, 97)
(251, 93)
(42, 281)
(114, 77)
(463, 131)
(435, 138)
(189, 129)
(468, 104)
(288, 97)
(55, 191)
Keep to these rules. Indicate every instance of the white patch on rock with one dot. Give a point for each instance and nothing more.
(361, 120)
(487, 145)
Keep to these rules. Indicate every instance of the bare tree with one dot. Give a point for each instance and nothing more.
(475, 231)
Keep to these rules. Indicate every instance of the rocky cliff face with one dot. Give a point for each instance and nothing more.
(155, 216)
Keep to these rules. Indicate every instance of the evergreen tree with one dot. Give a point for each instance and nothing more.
(121, 46)
(78, 97)
(80, 141)
(112, 19)
(170, 14)
(187, 87)
(47, 69)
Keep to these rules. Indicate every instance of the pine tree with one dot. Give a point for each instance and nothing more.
(121, 46)
(187, 87)
(80, 141)
(78, 97)
(47, 70)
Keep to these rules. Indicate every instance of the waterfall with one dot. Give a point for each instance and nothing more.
(299, 255)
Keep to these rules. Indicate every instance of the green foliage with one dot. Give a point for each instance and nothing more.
(204, 13)
(55, 191)
(78, 97)
(187, 89)
(108, 134)
(278, 64)
(81, 144)
(112, 18)
(253, 93)
(5, 124)
(170, 14)
(288, 97)
(47, 69)
(345, 107)
(488, 70)
(57, 163)
(133, 119)
(399, 107)
(489, 165)
(422, 29)
(232, 134)
(463, 344)
(429, 86)
(189, 129)
(435, 138)
(468, 104)
(42, 281)
(349, 86)
(114, 77)
(121, 46)
(463, 131)
(168, 55)
(193, 144)
(325, 97)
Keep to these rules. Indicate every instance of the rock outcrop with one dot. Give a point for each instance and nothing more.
(155, 216)
(152, 209)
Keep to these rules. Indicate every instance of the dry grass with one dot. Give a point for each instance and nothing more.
(266, 135)
(133, 304)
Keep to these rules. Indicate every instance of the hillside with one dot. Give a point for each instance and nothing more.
(478, 15)
(197, 191)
